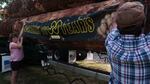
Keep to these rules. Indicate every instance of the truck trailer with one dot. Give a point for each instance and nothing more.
(80, 29)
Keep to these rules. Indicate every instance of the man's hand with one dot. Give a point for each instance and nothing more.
(113, 24)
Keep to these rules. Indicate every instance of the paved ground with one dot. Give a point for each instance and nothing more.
(35, 75)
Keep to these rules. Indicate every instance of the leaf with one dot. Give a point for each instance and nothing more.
(2, 2)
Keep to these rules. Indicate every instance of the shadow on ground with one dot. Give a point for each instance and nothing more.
(35, 75)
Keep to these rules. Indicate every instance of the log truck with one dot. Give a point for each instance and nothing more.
(81, 27)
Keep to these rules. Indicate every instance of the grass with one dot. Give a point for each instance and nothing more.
(2, 80)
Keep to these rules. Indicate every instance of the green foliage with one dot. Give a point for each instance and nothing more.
(1, 17)
(4, 3)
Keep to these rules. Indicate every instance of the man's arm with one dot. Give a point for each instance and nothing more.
(113, 24)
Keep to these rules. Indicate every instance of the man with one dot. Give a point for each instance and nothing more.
(128, 49)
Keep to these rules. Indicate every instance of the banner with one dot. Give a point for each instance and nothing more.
(81, 27)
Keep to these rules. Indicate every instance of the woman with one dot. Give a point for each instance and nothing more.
(16, 54)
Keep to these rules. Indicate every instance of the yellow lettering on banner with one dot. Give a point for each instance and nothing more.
(36, 30)
(70, 29)
(83, 26)
(45, 30)
(64, 29)
(79, 26)
(67, 27)
(75, 27)
(58, 27)
(32, 29)
(49, 30)
(26, 28)
(90, 24)
(53, 28)
(42, 32)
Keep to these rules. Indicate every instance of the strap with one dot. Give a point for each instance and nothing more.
(146, 2)
(145, 14)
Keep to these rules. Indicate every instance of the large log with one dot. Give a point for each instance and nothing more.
(81, 10)
(24, 8)
(6, 26)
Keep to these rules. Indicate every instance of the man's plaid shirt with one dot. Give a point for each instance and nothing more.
(129, 57)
